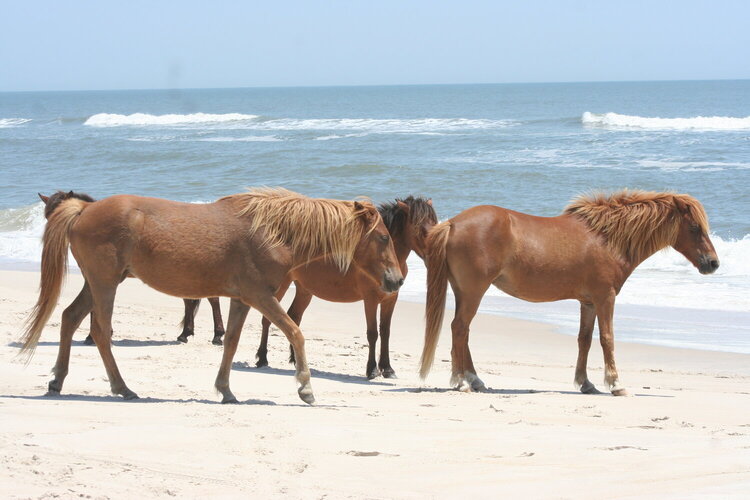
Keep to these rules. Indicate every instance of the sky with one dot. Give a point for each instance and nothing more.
(90, 45)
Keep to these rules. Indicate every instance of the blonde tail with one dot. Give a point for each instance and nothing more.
(55, 244)
(437, 287)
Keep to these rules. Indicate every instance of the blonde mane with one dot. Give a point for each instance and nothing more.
(636, 223)
(310, 227)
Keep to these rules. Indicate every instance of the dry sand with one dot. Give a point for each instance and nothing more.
(685, 433)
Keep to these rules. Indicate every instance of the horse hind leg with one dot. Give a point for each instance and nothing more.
(188, 322)
(218, 321)
(464, 376)
(585, 332)
(72, 317)
(605, 313)
(103, 303)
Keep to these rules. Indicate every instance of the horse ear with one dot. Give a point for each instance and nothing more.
(45, 199)
(680, 204)
(429, 202)
(403, 206)
(358, 206)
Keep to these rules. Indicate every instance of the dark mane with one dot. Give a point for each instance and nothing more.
(395, 219)
(55, 199)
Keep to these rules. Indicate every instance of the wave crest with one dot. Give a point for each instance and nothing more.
(144, 119)
(13, 122)
(698, 123)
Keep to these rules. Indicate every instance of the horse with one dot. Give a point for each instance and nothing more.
(586, 254)
(191, 305)
(241, 246)
(408, 222)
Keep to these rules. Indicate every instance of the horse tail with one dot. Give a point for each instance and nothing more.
(195, 312)
(55, 243)
(437, 287)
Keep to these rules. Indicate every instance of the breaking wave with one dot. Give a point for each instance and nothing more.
(12, 122)
(697, 123)
(143, 119)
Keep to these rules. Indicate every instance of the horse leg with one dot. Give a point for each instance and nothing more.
(72, 317)
(218, 322)
(103, 301)
(298, 307)
(270, 308)
(386, 313)
(464, 377)
(262, 354)
(585, 332)
(88, 340)
(605, 312)
(188, 322)
(371, 309)
(237, 314)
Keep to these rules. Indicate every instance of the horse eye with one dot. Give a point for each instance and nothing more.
(384, 238)
(694, 228)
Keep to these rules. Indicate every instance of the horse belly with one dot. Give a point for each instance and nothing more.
(326, 282)
(535, 286)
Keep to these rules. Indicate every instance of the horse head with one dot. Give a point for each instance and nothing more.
(375, 255)
(692, 235)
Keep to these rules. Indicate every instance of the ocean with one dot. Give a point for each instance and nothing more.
(528, 147)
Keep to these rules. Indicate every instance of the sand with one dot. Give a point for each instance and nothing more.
(685, 432)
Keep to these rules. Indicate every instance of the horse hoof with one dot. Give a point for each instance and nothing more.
(389, 373)
(620, 392)
(51, 393)
(464, 386)
(88, 340)
(229, 400)
(182, 338)
(217, 341)
(589, 388)
(373, 374)
(306, 395)
(261, 363)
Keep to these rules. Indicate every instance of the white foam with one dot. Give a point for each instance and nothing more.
(692, 166)
(144, 119)
(13, 122)
(251, 138)
(403, 126)
(698, 123)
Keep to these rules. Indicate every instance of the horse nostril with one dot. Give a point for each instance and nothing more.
(714, 264)
(401, 281)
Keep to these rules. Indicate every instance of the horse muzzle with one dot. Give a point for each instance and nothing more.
(392, 280)
(708, 264)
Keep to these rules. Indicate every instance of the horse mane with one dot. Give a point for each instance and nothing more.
(636, 223)
(310, 227)
(395, 218)
(55, 199)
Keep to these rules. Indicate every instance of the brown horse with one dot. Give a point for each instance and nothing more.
(586, 254)
(191, 305)
(408, 222)
(242, 246)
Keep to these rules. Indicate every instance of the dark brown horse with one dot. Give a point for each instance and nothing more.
(586, 254)
(242, 246)
(191, 305)
(407, 221)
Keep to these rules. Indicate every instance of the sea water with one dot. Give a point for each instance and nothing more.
(528, 147)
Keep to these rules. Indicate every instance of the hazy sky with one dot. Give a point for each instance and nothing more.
(66, 45)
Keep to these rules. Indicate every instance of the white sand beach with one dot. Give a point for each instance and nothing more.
(684, 432)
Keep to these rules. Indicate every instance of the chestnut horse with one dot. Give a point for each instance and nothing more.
(241, 246)
(586, 254)
(407, 221)
(191, 305)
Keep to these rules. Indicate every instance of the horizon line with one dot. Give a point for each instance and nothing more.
(375, 85)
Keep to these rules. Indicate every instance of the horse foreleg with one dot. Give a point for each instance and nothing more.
(296, 310)
(386, 314)
(585, 332)
(371, 309)
(605, 312)
(72, 317)
(237, 314)
(270, 308)
(261, 355)
(188, 322)
(464, 376)
(218, 322)
(103, 302)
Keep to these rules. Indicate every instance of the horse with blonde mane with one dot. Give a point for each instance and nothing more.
(585, 254)
(242, 246)
(408, 220)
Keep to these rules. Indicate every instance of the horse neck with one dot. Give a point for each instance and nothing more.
(401, 247)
